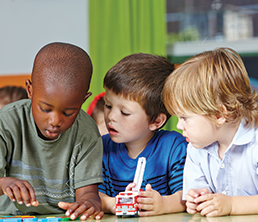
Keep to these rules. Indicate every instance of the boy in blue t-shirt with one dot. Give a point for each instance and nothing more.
(134, 113)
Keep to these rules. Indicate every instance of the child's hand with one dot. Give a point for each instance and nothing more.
(87, 203)
(191, 205)
(214, 204)
(130, 186)
(18, 190)
(150, 201)
(86, 208)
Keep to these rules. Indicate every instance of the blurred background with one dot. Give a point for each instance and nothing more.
(112, 29)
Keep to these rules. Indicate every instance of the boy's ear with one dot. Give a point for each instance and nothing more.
(220, 120)
(158, 122)
(88, 94)
(29, 88)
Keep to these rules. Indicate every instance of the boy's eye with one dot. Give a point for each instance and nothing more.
(107, 106)
(45, 110)
(68, 114)
(125, 114)
(49, 110)
(183, 117)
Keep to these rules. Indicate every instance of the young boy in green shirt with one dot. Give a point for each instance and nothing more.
(50, 149)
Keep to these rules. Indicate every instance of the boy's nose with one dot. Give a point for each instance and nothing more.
(55, 119)
(179, 125)
(112, 115)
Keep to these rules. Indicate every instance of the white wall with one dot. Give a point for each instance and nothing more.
(27, 25)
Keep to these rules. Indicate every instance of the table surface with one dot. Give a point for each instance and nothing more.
(182, 217)
(176, 217)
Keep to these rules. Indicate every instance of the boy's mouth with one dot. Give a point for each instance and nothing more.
(186, 138)
(111, 130)
(52, 134)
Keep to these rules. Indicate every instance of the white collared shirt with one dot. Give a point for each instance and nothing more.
(236, 174)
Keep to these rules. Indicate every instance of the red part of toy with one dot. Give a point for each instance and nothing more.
(126, 203)
(94, 103)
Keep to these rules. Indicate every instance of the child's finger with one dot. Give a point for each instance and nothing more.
(212, 214)
(33, 198)
(191, 205)
(71, 209)
(130, 186)
(144, 194)
(99, 215)
(206, 210)
(17, 194)
(23, 193)
(205, 191)
(194, 193)
(203, 198)
(29, 195)
(144, 200)
(77, 209)
(64, 205)
(8, 191)
(148, 187)
(191, 211)
(90, 211)
(189, 198)
(145, 206)
(35, 203)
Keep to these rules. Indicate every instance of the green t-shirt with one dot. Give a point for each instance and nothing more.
(55, 169)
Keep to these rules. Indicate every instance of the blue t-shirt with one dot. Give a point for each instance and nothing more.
(165, 156)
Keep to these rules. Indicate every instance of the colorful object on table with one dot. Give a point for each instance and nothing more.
(34, 219)
(53, 219)
(19, 218)
(25, 218)
(126, 202)
(42, 219)
(12, 220)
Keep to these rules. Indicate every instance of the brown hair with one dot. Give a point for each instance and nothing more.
(141, 77)
(209, 81)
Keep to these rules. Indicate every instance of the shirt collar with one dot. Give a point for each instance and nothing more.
(243, 135)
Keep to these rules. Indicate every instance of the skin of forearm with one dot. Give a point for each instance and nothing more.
(107, 202)
(244, 205)
(174, 203)
(1, 191)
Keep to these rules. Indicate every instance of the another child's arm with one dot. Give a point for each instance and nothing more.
(18, 190)
(87, 203)
(154, 204)
(219, 204)
(108, 203)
